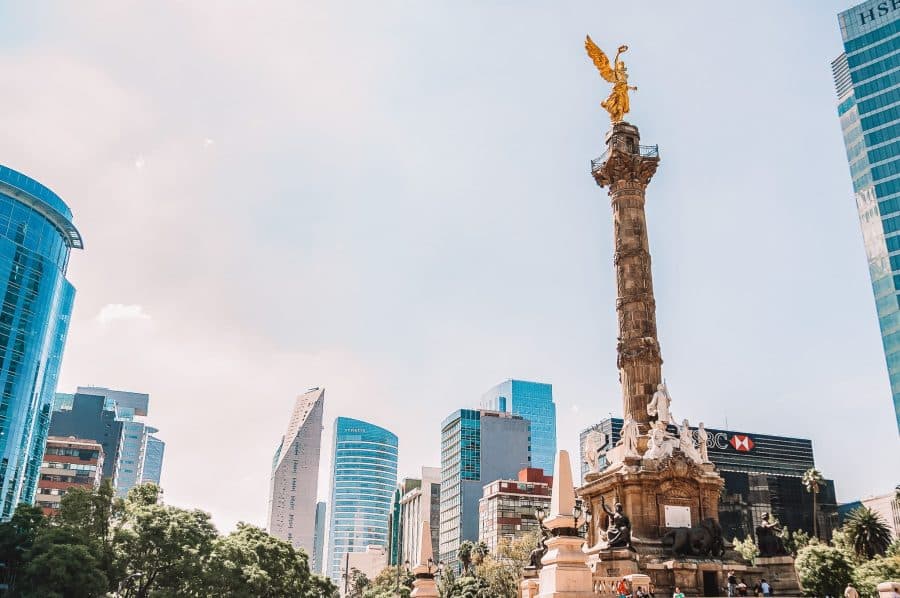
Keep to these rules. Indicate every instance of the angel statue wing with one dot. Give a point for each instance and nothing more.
(601, 61)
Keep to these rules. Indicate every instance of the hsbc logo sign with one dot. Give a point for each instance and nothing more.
(741, 443)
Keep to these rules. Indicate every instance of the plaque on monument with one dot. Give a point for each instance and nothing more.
(677, 516)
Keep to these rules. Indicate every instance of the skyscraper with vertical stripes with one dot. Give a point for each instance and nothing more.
(867, 81)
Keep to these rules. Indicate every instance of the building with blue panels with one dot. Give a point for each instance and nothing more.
(477, 447)
(534, 402)
(153, 458)
(363, 480)
(867, 81)
(36, 235)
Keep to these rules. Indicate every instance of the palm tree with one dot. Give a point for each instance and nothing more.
(480, 552)
(867, 532)
(464, 554)
(813, 480)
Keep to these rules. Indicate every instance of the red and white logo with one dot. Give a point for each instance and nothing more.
(741, 443)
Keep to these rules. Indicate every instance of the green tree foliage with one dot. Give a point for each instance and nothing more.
(823, 570)
(794, 541)
(464, 554)
(867, 576)
(385, 584)
(62, 564)
(503, 571)
(469, 587)
(249, 563)
(358, 583)
(868, 534)
(16, 539)
(747, 548)
(137, 548)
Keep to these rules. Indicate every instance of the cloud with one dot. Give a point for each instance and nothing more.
(117, 311)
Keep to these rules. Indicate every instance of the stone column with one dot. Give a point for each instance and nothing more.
(626, 168)
(564, 571)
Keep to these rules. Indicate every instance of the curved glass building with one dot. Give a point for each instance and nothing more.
(363, 480)
(36, 235)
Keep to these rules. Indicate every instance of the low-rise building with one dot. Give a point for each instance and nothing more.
(370, 563)
(68, 463)
(507, 508)
(887, 506)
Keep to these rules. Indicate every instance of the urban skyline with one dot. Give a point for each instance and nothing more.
(207, 346)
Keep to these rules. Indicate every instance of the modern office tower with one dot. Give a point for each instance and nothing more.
(415, 500)
(507, 509)
(91, 418)
(153, 458)
(128, 406)
(319, 540)
(867, 80)
(534, 402)
(477, 446)
(36, 235)
(763, 474)
(295, 473)
(363, 480)
(68, 463)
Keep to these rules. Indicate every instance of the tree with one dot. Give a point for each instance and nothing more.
(823, 570)
(167, 548)
(747, 548)
(358, 583)
(470, 587)
(813, 481)
(249, 563)
(385, 584)
(62, 564)
(868, 534)
(95, 515)
(464, 554)
(17, 537)
(794, 541)
(503, 571)
(868, 575)
(480, 550)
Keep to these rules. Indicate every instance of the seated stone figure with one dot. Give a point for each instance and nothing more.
(704, 539)
(768, 538)
(618, 532)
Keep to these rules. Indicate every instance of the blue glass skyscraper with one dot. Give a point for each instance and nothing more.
(534, 402)
(36, 234)
(363, 480)
(867, 80)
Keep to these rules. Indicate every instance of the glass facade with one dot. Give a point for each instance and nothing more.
(867, 81)
(363, 481)
(153, 458)
(36, 234)
(477, 446)
(534, 402)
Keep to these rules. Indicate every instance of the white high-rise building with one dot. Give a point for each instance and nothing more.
(295, 474)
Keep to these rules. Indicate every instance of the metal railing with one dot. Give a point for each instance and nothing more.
(645, 151)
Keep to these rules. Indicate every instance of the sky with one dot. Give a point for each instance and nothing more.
(393, 201)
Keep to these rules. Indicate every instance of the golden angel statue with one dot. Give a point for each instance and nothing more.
(617, 103)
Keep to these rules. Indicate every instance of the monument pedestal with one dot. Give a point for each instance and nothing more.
(529, 587)
(565, 573)
(779, 571)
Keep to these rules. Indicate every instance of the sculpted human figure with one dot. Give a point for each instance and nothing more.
(659, 405)
(768, 538)
(686, 442)
(618, 532)
(630, 432)
(594, 446)
(660, 444)
(702, 440)
(617, 104)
